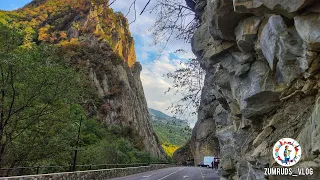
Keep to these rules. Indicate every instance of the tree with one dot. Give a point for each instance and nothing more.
(188, 82)
(175, 21)
(36, 93)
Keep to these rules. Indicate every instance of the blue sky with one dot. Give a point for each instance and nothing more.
(154, 65)
(9, 5)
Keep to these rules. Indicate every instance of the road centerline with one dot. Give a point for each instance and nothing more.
(170, 174)
(201, 174)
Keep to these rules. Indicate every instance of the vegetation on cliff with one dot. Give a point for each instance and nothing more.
(173, 133)
(45, 90)
(58, 22)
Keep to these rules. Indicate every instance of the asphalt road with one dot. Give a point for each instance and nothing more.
(175, 173)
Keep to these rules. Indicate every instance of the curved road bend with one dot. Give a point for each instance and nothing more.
(175, 173)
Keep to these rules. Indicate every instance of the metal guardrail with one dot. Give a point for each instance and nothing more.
(33, 170)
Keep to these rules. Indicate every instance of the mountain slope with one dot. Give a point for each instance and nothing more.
(87, 37)
(172, 132)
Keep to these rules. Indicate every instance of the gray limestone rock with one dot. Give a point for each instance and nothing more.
(269, 38)
(221, 116)
(283, 48)
(222, 78)
(291, 62)
(222, 19)
(245, 123)
(243, 57)
(245, 6)
(215, 49)
(262, 136)
(246, 33)
(284, 7)
(309, 137)
(308, 28)
(183, 156)
(120, 88)
(276, 56)
(228, 62)
(201, 40)
(249, 90)
(260, 103)
(315, 8)
(200, 5)
(242, 69)
(227, 164)
(287, 5)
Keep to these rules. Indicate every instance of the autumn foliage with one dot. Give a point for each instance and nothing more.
(169, 148)
(62, 21)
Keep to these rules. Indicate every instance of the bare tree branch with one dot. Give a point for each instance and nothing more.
(144, 8)
(188, 82)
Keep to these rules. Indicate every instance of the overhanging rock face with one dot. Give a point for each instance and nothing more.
(261, 59)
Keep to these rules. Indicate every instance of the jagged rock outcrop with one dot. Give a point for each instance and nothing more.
(99, 44)
(184, 156)
(262, 83)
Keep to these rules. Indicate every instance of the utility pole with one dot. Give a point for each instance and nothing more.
(77, 145)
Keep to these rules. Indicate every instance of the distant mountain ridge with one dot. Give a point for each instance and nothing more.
(160, 116)
(172, 132)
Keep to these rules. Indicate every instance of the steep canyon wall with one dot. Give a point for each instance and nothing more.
(97, 42)
(262, 83)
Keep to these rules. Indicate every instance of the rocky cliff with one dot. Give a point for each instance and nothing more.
(262, 83)
(97, 42)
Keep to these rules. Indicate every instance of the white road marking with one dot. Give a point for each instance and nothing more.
(185, 177)
(146, 176)
(170, 174)
(201, 174)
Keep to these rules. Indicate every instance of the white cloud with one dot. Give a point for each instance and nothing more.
(155, 85)
(155, 65)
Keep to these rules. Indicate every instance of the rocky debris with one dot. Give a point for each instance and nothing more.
(309, 137)
(262, 136)
(262, 64)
